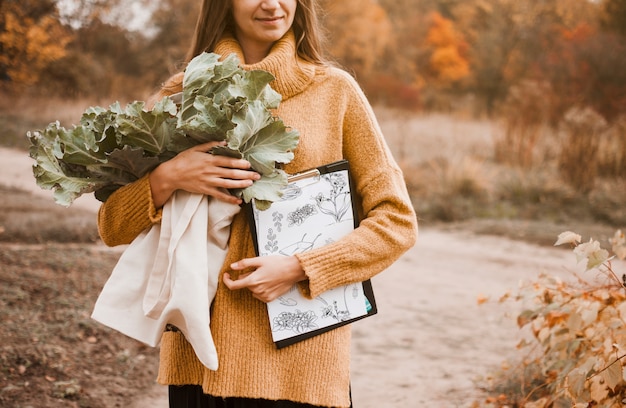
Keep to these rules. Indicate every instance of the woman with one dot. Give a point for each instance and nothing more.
(335, 122)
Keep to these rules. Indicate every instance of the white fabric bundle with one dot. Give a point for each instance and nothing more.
(168, 275)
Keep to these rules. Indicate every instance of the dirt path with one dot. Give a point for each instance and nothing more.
(16, 171)
(431, 339)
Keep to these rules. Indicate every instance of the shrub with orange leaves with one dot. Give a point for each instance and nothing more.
(29, 44)
(579, 330)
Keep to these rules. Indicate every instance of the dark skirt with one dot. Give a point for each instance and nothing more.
(191, 396)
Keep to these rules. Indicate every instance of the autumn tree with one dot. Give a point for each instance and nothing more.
(448, 62)
(371, 40)
(506, 37)
(31, 37)
(107, 58)
(80, 13)
(614, 16)
(174, 21)
(122, 62)
(102, 61)
(359, 32)
(586, 68)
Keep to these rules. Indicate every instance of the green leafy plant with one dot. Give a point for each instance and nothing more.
(116, 146)
(578, 331)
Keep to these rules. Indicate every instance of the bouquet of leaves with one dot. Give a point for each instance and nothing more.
(113, 147)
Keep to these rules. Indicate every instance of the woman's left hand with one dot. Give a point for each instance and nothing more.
(271, 276)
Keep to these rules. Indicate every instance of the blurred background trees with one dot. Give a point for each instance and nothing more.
(417, 55)
(529, 64)
(31, 39)
(545, 78)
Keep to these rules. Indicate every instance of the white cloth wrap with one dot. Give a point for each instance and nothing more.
(168, 275)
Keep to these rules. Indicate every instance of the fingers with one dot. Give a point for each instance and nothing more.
(246, 281)
(228, 162)
(198, 172)
(206, 147)
(246, 263)
(223, 196)
(229, 173)
(220, 160)
(233, 284)
(266, 277)
(231, 170)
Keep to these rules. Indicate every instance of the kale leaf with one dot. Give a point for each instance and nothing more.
(116, 146)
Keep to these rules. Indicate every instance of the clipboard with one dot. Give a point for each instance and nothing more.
(316, 208)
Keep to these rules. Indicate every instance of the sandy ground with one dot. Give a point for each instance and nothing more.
(16, 170)
(430, 340)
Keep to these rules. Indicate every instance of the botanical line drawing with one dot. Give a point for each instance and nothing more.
(287, 301)
(272, 243)
(300, 246)
(300, 214)
(338, 202)
(312, 213)
(291, 192)
(298, 321)
(332, 309)
(277, 218)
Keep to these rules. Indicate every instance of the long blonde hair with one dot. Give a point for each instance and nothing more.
(216, 18)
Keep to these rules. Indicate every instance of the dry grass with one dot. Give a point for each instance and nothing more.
(580, 154)
(415, 139)
(613, 148)
(454, 174)
(26, 218)
(20, 115)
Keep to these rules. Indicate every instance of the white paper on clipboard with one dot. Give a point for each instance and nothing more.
(316, 209)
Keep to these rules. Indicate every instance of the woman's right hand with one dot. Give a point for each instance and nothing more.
(197, 171)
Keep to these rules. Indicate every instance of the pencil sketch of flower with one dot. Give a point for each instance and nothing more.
(300, 214)
(334, 312)
(338, 202)
(298, 321)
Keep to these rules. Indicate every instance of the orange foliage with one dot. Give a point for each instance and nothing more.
(29, 45)
(579, 33)
(442, 32)
(585, 67)
(392, 91)
(448, 63)
(360, 32)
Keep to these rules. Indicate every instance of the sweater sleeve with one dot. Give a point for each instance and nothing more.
(127, 212)
(389, 225)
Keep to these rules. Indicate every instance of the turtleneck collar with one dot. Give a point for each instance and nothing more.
(292, 73)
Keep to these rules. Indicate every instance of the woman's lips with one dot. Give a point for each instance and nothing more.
(269, 19)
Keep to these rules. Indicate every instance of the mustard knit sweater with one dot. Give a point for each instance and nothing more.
(335, 121)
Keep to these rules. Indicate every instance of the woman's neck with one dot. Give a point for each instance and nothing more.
(253, 55)
(254, 52)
